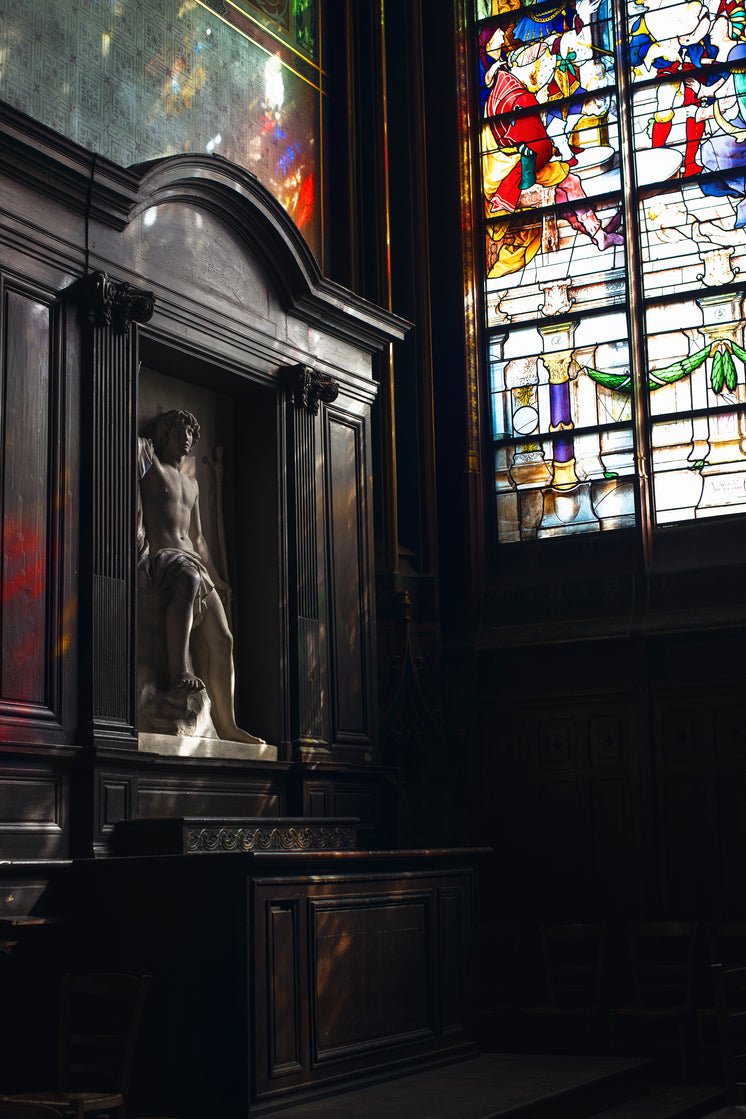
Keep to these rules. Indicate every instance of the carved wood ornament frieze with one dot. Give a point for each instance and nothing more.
(306, 388)
(116, 303)
(283, 838)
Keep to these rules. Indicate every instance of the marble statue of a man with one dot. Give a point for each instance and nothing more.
(175, 562)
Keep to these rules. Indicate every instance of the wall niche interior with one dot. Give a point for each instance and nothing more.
(239, 428)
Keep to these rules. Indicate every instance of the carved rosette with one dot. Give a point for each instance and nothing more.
(116, 303)
(306, 388)
(241, 839)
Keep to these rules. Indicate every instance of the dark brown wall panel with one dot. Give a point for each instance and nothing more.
(27, 384)
(352, 941)
(28, 801)
(558, 782)
(282, 984)
(348, 612)
(206, 798)
(732, 843)
(689, 843)
(453, 960)
(33, 814)
(308, 645)
(615, 846)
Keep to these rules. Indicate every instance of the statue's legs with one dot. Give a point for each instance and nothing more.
(179, 621)
(214, 645)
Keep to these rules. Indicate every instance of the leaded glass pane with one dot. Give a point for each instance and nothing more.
(689, 240)
(551, 166)
(564, 454)
(697, 381)
(549, 145)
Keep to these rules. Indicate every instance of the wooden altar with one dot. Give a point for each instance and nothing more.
(283, 969)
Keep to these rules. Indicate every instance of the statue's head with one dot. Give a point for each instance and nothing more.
(167, 421)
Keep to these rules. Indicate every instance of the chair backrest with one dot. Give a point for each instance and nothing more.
(662, 954)
(100, 1016)
(726, 942)
(18, 1110)
(574, 959)
(729, 984)
(500, 964)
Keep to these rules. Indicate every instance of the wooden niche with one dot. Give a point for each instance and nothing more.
(237, 325)
(184, 283)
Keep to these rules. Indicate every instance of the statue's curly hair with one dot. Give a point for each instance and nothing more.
(166, 421)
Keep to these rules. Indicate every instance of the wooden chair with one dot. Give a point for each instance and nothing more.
(574, 965)
(10, 1109)
(726, 944)
(729, 984)
(99, 1020)
(659, 1022)
(499, 972)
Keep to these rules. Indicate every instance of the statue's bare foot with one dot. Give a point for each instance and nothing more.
(235, 734)
(188, 681)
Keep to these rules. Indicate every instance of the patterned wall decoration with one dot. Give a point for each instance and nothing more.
(134, 80)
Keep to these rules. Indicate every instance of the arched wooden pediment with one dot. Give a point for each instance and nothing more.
(241, 202)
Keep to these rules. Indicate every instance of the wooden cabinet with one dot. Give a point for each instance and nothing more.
(280, 976)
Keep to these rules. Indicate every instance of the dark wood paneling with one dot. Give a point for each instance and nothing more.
(357, 800)
(559, 781)
(113, 527)
(33, 812)
(347, 556)
(316, 800)
(367, 794)
(284, 946)
(308, 622)
(111, 482)
(179, 797)
(689, 843)
(116, 797)
(615, 872)
(28, 801)
(28, 387)
(731, 852)
(386, 937)
(454, 960)
(385, 967)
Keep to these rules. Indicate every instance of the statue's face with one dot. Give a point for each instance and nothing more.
(181, 438)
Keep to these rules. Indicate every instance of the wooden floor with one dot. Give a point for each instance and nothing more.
(522, 1086)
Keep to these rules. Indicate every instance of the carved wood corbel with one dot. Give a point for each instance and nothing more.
(306, 388)
(116, 303)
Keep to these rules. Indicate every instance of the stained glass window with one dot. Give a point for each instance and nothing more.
(134, 80)
(612, 174)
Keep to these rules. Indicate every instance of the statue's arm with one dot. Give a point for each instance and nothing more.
(145, 455)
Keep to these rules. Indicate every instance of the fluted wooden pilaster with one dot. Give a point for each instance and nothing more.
(111, 309)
